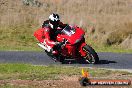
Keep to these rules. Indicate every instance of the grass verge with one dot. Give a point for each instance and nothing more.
(33, 72)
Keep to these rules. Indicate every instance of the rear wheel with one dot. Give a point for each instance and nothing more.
(91, 56)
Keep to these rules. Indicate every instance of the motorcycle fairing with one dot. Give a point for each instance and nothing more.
(39, 34)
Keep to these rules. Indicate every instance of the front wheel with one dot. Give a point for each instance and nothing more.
(91, 56)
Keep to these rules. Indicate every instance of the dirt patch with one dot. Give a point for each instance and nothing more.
(65, 82)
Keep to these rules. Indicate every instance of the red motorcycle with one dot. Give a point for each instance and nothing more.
(72, 45)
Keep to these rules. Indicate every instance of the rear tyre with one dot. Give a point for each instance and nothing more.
(91, 56)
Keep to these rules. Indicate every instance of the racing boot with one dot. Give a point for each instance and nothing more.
(54, 55)
(57, 57)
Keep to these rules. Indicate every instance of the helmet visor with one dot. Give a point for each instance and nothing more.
(55, 23)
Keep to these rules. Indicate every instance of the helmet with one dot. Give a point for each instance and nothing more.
(54, 20)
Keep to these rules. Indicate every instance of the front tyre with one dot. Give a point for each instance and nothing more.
(91, 56)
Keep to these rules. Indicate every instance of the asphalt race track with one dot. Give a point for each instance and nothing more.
(107, 60)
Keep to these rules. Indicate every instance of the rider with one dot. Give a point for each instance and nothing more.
(50, 27)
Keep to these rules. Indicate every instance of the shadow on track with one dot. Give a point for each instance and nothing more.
(84, 62)
(106, 62)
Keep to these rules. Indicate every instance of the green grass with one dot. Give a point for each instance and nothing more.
(19, 37)
(32, 72)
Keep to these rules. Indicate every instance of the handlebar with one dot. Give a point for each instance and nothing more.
(62, 44)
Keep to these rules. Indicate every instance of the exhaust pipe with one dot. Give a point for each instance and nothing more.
(44, 47)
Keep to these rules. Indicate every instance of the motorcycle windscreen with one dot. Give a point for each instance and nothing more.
(39, 34)
(68, 30)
